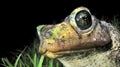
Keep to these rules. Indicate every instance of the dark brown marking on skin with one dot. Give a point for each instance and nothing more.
(63, 36)
(113, 32)
(80, 37)
(54, 38)
(95, 63)
(49, 43)
(89, 35)
(119, 47)
(99, 33)
(115, 47)
(111, 28)
(60, 43)
(115, 41)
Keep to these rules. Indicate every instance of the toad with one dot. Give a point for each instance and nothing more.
(81, 40)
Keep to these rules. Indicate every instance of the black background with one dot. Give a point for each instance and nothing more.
(19, 19)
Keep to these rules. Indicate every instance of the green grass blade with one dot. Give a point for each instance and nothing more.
(3, 61)
(31, 60)
(57, 64)
(35, 58)
(41, 61)
(16, 62)
(51, 63)
(20, 63)
(18, 58)
(6, 62)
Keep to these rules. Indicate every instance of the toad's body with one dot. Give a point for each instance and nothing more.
(81, 41)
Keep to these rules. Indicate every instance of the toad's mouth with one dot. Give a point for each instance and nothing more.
(63, 53)
(57, 54)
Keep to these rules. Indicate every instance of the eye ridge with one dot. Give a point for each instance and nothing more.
(83, 20)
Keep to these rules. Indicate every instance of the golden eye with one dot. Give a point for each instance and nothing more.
(83, 20)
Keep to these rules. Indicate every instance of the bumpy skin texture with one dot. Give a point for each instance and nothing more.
(95, 45)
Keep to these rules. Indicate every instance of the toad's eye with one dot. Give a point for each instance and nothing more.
(83, 19)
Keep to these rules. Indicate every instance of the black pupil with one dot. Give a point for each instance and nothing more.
(83, 19)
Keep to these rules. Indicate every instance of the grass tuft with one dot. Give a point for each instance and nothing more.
(30, 57)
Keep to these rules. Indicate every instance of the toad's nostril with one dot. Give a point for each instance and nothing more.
(48, 34)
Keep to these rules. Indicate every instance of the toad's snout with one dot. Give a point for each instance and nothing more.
(44, 33)
(59, 37)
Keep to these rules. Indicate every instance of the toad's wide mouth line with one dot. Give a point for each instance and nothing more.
(69, 52)
(57, 54)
